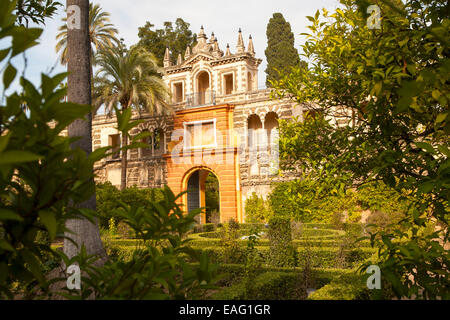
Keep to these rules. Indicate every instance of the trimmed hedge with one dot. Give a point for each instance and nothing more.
(313, 234)
(267, 286)
(276, 283)
(344, 287)
(325, 257)
(264, 242)
(281, 251)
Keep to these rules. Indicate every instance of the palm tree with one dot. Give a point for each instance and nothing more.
(102, 34)
(130, 78)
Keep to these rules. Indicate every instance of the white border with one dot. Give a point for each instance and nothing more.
(214, 145)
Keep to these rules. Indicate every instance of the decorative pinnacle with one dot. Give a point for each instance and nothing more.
(227, 52)
(167, 58)
(240, 44)
(251, 48)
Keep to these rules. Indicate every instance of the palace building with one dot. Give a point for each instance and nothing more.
(222, 125)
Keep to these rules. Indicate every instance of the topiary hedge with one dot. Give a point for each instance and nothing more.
(326, 257)
(282, 253)
(344, 287)
(267, 286)
(256, 209)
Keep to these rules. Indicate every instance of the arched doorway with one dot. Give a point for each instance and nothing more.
(203, 85)
(203, 192)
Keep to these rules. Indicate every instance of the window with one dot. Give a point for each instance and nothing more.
(177, 92)
(114, 142)
(147, 151)
(200, 134)
(156, 144)
(158, 141)
(228, 83)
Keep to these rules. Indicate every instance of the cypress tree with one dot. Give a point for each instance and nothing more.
(281, 53)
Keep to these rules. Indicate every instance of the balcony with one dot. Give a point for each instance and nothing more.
(197, 99)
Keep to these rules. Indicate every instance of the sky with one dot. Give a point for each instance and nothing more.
(224, 18)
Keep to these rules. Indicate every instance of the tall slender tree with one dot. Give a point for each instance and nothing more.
(130, 78)
(79, 91)
(281, 53)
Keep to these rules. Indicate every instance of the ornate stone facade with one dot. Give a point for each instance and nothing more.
(222, 125)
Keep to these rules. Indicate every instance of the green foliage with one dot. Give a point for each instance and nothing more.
(206, 227)
(256, 209)
(42, 179)
(394, 83)
(414, 243)
(253, 264)
(101, 32)
(158, 268)
(280, 52)
(39, 172)
(230, 251)
(35, 11)
(321, 200)
(266, 286)
(109, 198)
(156, 41)
(282, 252)
(344, 287)
(212, 201)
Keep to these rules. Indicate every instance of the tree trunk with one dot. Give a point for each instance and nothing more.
(79, 91)
(123, 177)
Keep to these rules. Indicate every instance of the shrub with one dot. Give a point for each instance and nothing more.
(270, 285)
(344, 287)
(109, 198)
(282, 252)
(256, 209)
(157, 266)
(310, 200)
(207, 227)
(231, 251)
(253, 264)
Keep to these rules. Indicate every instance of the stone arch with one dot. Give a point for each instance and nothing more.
(262, 112)
(202, 86)
(270, 124)
(202, 178)
(253, 125)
